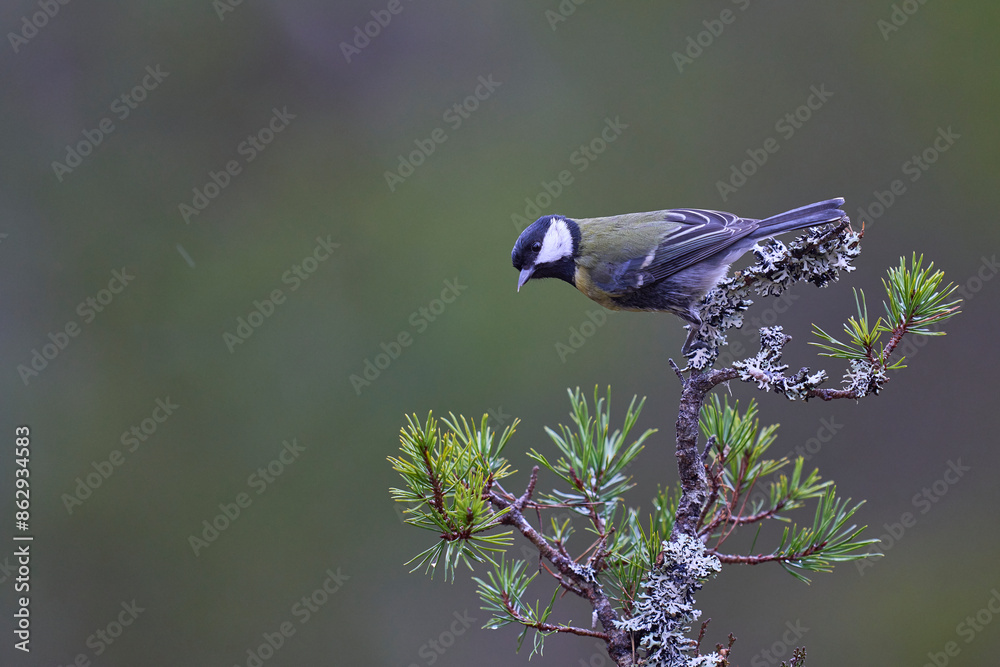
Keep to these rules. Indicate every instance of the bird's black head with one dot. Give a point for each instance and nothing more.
(547, 248)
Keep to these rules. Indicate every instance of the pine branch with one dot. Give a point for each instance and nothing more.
(817, 548)
(551, 628)
(453, 478)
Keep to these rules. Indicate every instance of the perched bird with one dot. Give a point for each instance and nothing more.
(655, 261)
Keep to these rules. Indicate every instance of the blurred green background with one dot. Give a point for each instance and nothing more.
(346, 115)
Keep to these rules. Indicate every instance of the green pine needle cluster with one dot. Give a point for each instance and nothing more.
(593, 457)
(449, 475)
(737, 466)
(503, 597)
(828, 541)
(915, 302)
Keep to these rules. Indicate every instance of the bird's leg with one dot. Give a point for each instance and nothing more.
(693, 328)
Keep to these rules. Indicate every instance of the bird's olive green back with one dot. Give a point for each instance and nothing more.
(621, 238)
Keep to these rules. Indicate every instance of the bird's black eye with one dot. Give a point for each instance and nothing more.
(536, 247)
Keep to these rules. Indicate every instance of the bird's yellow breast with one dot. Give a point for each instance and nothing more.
(583, 283)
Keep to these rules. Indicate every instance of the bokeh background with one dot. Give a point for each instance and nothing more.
(895, 77)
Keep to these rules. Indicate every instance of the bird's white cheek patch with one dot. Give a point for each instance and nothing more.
(558, 243)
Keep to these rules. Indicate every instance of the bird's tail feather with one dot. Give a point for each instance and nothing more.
(802, 217)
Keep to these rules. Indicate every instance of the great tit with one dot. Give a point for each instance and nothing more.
(656, 261)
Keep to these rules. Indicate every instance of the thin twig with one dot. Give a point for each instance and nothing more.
(526, 496)
(549, 627)
(708, 448)
(768, 558)
(619, 642)
(701, 635)
(677, 370)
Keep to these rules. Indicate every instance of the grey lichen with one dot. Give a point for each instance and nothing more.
(817, 257)
(766, 369)
(585, 572)
(864, 378)
(665, 610)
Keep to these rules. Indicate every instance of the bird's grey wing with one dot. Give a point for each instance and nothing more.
(703, 234)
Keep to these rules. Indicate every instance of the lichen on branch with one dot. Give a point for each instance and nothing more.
(817, 257)
(639, 572)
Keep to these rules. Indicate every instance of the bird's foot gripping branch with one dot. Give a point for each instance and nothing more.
(639, 570)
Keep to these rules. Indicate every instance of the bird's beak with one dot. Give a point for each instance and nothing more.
(525, 275)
